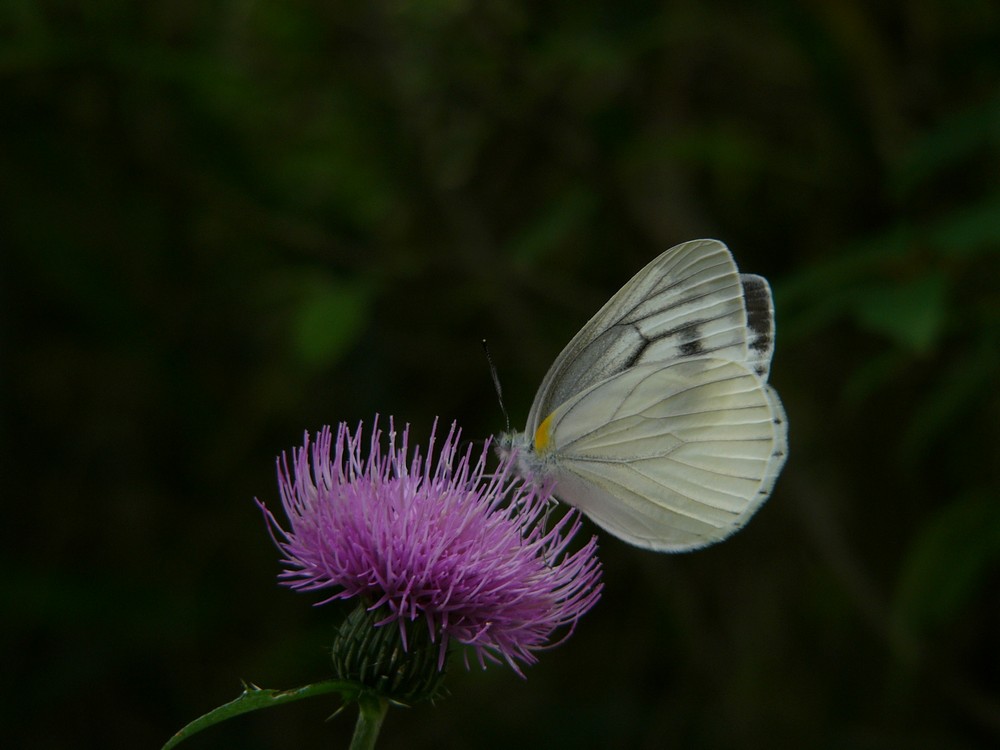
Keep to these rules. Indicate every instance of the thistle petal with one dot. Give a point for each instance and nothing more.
(437, 539)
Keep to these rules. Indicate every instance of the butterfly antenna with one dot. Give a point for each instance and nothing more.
(496, 385)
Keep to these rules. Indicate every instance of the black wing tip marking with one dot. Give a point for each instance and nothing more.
(760, 314)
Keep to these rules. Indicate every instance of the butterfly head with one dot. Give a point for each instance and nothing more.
(529, 458)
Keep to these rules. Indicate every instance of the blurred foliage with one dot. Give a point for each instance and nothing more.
(224, 223)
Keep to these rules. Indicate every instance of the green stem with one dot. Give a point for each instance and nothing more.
(370, 717)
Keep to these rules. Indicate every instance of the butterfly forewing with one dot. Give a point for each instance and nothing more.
(686, 303)
(760, 322)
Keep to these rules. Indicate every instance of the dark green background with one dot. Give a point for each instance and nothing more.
(223, 223)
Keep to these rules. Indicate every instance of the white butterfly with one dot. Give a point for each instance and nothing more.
(657, 420)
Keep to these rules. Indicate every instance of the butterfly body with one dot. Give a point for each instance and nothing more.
(656, 420)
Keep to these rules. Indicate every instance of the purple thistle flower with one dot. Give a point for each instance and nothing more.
(445, 542)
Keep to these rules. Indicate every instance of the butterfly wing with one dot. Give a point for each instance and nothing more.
(669, 456)
(686, 303)
(760, 323)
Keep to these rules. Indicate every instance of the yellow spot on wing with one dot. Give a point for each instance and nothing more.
(542, 434)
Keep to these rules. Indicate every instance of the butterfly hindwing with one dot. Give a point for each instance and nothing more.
(669, 457)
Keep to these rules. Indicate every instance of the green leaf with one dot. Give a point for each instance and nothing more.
(911, 313)
(330, 318)
(558, 221)
(970, 231)
(874, 373)
(948, 562)
(820, 294)
(254, 698)
(958, 389)
(955, 139)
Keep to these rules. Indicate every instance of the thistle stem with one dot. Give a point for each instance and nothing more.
(370, 716)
